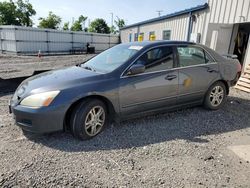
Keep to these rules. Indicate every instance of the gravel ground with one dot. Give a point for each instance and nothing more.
(20, 66)
(186, 148)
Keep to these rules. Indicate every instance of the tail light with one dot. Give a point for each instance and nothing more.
(239, 67)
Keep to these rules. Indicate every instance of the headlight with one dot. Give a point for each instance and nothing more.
(39, 100)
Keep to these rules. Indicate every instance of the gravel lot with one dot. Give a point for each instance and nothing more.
(186, 148)
(20, 66)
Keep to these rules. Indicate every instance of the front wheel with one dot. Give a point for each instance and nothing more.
(216, 96)
(88, 119)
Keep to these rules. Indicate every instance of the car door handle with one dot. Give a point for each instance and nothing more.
(211, 70)
(170, 77)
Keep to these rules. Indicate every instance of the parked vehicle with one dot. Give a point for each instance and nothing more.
(126, 81)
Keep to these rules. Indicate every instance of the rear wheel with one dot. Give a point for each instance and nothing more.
(216, 96)
(88, 119)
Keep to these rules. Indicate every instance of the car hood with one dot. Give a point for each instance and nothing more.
(56, 80)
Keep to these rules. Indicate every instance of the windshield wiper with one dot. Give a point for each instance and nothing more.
(89, 68)
(80, 64)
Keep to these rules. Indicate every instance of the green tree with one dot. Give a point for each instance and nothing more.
(51, 22)
(79, 24)
(120, 23)
(8, 13)
(66, 26)
(24, 12)
(76, 26)
(99, 25)
(16, 13)
(113, 29)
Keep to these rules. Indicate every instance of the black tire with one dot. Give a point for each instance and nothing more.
(78, 119)
(211, 104)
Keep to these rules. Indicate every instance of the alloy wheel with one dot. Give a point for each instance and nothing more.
(94, 120)
(216, 96)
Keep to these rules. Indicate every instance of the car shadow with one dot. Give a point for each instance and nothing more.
(193, 125)
(8, 86)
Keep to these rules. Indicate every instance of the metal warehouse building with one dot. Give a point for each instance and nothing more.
(223, 25)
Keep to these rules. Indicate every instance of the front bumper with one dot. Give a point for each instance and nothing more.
(42, 120)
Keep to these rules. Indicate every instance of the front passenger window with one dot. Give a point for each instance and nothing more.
(157, 59)
(189, 56)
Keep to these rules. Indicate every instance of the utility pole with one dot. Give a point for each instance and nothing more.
(159, 12)
(112, 20)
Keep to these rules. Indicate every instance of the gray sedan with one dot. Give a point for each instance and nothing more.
(126, 81)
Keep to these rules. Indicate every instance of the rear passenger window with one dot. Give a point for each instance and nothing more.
(189, 56)
(208, 58)
(157, 59)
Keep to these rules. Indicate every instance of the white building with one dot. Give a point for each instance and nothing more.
(223, 25)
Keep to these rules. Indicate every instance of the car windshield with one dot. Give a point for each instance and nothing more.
(112, 58)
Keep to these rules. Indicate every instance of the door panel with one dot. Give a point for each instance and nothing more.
(148, 91)
(194, 81)
(219, 37)
(196, 73)
(214, 40)
(155, 88)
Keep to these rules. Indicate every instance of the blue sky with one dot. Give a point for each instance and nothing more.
(130, 10)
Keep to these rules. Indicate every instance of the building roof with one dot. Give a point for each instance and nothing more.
(186, 11)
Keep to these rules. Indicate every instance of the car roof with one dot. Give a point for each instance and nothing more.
(160, 42)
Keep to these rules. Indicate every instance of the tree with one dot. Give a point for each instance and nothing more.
(112, 29)
(24, 12)
(66, 26)
(18, 13)
(51, 22)
(120, 23)
(8, 13)
(99, 25)
(76, 26)
(82, 19)
(79, 24)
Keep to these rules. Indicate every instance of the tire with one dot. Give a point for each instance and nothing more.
(216, 96)
(88, 119)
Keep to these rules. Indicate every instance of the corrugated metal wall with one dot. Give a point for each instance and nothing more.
(7, 35)
(199, 25)
(229, 11)
(30, 40)
(178, 26)
(220, 12)
(126, 32)
(221, 17)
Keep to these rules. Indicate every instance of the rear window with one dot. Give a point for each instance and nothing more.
(191, 56)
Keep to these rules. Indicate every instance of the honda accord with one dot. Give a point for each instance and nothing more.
(126, 81)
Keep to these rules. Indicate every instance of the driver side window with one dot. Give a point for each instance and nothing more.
(157, 59)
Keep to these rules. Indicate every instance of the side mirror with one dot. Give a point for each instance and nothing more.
(136, 69)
